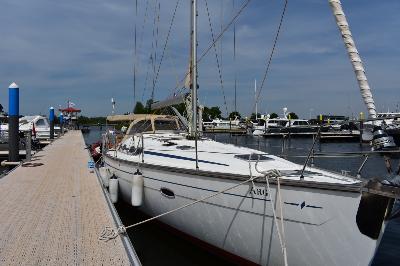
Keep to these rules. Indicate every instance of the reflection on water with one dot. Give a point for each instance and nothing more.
(155, 245)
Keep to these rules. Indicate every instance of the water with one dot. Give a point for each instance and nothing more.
(156, 244)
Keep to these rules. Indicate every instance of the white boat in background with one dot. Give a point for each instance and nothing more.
(219, 124)
(386, 120)
(283, 125)
(3, 128)
(260, 208)
(263, 125)
(40, 124)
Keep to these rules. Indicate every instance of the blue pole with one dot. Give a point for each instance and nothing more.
(51, 118)
(61, 124)
(13, 122)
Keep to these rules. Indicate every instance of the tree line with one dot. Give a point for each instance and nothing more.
(209, 113)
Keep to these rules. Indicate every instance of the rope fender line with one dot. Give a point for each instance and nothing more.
(109, 233)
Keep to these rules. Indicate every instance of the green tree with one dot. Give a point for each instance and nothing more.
(293, 115)
(253, 116)
(211, 113)
(206, 114)
(273, 115)
(215, 112)
(235, 114)
(139, 108)
(148, 105)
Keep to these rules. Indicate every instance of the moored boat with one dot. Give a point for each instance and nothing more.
(259, 207)
(319, 210)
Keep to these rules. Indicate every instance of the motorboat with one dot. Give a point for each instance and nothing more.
(222, 125)
(40, 124)
(269, 125)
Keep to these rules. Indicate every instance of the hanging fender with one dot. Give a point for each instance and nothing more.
(137, 189)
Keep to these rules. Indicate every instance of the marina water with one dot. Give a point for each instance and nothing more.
(156, 244)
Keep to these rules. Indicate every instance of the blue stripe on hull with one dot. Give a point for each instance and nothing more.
(181, 157)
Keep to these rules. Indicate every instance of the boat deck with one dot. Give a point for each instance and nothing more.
(53, 210)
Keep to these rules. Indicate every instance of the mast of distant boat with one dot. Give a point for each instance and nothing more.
(354, 56)
(255, 95)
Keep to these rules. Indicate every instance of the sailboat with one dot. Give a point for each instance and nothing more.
(256, 207)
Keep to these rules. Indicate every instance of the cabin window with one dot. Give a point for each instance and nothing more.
(162, 124)
(140, 126)
(40, 123)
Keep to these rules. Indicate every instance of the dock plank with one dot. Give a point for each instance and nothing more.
(52, 214)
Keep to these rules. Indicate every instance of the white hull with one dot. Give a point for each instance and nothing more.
(320, 225)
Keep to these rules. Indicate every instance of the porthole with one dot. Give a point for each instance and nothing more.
(167, 193)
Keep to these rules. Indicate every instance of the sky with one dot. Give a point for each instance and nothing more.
(83, 51)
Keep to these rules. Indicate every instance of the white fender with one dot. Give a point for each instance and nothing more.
(113, 189)
(137, 189)
(105, 175)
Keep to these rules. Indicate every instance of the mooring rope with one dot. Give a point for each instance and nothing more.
(281, 231)
(109, 233)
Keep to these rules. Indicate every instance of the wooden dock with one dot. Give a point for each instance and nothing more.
(53, 210)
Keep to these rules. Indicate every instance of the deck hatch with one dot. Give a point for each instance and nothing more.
(253, 157)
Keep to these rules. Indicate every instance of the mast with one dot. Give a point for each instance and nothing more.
(255, 94)
(234, 54)
(193, 131)
(354, 56)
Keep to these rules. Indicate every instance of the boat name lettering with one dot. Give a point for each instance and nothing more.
(259, 191)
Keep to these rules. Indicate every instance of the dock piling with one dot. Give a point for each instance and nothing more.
(13, 123)
(51, 118)
(28, 146)
(62, 124)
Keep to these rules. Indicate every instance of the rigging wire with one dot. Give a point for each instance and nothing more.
(157, 10)
(205, 52)
(140, 46)
(216, 57)
(135, 59)
(164, 47)
(147, 77)
(272, 53)
(153, 47)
